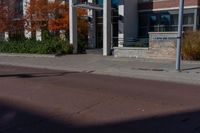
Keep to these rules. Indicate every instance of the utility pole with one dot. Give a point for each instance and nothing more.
(73, 25)
(180, 35)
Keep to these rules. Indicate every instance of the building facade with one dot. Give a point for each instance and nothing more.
(135, 19)
(162, 16)
(133, 22)
(12, 15)
(150, 25)
(157, 25)
(16, 12)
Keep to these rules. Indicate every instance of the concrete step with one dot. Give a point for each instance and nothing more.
(94, 51)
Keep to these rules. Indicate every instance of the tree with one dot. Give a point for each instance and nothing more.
(36, 15)
(3, 16)
(82, 22)
(10, 17)
(59, 16)
(52, 16)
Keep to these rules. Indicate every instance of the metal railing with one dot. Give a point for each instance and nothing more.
(130, 42)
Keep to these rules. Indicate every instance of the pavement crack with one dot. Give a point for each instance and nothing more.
(89, 107)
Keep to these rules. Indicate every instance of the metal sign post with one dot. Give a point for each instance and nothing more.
(179, 37)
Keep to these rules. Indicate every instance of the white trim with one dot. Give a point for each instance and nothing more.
(171, 8)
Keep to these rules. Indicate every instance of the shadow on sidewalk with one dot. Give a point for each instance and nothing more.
(192, 68)
(15, 119)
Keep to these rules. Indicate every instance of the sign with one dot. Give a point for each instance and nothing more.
(162, 36)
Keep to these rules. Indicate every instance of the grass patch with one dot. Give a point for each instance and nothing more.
(191, 45)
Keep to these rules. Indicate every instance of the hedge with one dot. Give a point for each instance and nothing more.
(51, 46)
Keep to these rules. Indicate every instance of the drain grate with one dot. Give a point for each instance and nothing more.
(149, 69)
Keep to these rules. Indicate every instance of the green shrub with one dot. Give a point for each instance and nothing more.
(82, 43)
(47, 46)
(50, 44)
(191, 45)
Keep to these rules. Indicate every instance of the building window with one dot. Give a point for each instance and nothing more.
(188, 21)
(99, 23)
(143, 24)
(19, 8)
(163, 21)
(153, 20)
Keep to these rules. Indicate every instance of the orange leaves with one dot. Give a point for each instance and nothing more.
(60, 16)
(58, 24)
(10, 16)
(4, 16)
(82, 22)
(53, 16)
(36, 14)
(3, 19)
(42, 14)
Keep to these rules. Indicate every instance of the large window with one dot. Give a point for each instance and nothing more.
(174, 22)
(188, 21)
(18, 8)
(153, 22)
(163, 22)
(99, 23)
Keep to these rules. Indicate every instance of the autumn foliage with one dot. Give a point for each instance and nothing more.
(10, 19)
(3, 16)
(52, 16)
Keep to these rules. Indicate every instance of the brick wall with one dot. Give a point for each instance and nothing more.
(166, 4)
(161, 46)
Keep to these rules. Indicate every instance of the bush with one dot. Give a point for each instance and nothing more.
(191, 45)
(82, 43)
(50, 46)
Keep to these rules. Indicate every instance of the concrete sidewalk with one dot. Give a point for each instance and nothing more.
(126, 67)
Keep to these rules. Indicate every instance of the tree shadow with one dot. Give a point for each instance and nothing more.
(191, 68)
(36, 75)
(14, 119)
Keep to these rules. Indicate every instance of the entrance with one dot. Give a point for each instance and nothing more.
(106, 24)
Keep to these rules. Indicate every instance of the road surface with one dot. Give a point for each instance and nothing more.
(50, 101)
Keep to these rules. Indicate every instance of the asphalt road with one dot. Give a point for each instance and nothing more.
(49, 101)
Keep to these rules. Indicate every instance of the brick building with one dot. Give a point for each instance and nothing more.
(12, 15)
(134, 21)
(162, 16)
(157, 25)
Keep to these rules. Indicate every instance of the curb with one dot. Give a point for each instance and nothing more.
(180, 78)
(28, 55)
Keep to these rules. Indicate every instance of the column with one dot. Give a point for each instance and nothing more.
(62, 35)
(73, 25)
(6, 36)
(39, 35)
(27, 33)
(196, 19)
(121, 26)
(107, 27)
(92, 27)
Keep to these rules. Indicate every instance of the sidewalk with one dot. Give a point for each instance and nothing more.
(163, 70)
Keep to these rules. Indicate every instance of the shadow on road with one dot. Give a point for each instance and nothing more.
(36, 75)
(17, 120)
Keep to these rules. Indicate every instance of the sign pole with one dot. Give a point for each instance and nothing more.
(180, 35)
